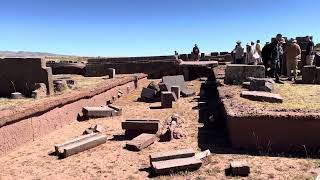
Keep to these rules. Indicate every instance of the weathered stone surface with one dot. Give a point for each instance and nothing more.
(166, 99)
(176, 91)
(163, 156)
(175, 165)
(94, 129)
(246, 85)
(111, 73)
(203, 154)
(80, 144)
(148, 94)
(142, 126)
(309, 74)
(239, 168)
(39, 90)
(261, 84)
(20, 75)
(163, 87)
(317, 81)
(238, 73)
(153, 85)
(94, 112)
(187, 93)
(117, 110)
(60, 85)
(262, 96)
(140, 142)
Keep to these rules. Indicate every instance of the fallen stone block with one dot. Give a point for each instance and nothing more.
(187, 93)
(96, 112)
(262, 96)
(80, 144)
(153, 85)
(236, 74)
(177, 81)
(140, 142)
(261, 84)
(309, 74)
(166, 99)
(239, 168)
(148, 94)
(117, 110)
(111, 73)
(163, 156)
(246, 85)
(175, 165)
(163, 87)
(141, 126)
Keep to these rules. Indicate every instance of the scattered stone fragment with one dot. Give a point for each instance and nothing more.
(96, 112)
(71, 84)
(94, 129)
(203, 154)
(175, 165)
(262, 96)
(148, 94)
(140, 142)
(172, 129)
(16, 95)
(141, 126)
(239, 168)
(162, 156)
(39, 90)
(60, 85)
(246, 85)
(153, 85)
(166, 99)
(80, 144)
(117, 110)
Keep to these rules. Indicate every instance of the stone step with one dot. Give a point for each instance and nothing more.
(262, 96)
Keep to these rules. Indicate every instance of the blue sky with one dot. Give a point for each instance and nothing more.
(149, 27)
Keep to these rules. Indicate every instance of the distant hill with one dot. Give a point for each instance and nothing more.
(27, 54)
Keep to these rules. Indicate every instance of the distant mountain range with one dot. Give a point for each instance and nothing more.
(26, 54)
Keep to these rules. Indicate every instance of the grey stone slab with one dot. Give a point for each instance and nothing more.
(178, 81)
(166, 99)
(239, 168)
(175, 165)
(261, 84)
(162, 156)
(142, 141)
(96, 112)
(238, 73)
(262, 96)
(176, 91)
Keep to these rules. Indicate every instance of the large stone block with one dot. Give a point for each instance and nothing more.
(21, 75)
(261, 84)
(148, 94)
(317, 81)
(238, 73)
(141, 126)
(166, 99)
(239, 168)
(142, 141)
(174, 165)
(163, 156)
(178, 80)
(309, 74)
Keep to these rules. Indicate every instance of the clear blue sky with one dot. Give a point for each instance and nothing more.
(149, 27)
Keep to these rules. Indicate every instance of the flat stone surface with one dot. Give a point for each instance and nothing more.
(238, 73)
(177, 81)
(261, 84)
(175, 165)
(103, 111)
(142, 141)
(144, 126)
(166, 99)
(199, 63)
(239, 168)
(262, 96)
(16, 95)
(162, 156)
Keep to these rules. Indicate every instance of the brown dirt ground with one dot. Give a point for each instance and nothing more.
(111, 161)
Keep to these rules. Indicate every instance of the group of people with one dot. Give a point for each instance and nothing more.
(272, 56)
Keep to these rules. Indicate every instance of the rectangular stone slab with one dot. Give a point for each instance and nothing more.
(83, 145)
(102, 111)
(239, 168)
(175, 165)
(162, 156)
(148, 126)
(178, 80)
(142, 141)
(147, 93)
(309, 74)
(262, 96)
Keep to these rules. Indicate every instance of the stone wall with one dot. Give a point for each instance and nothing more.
(238, 73)
(20, 75)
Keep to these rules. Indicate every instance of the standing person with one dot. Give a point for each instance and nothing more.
(293, 52)
(310, 51)
(176, 55)
(249, 56)
(276, 50)
(239, 51)
(281, 44)
(196, 52)
(266, 58)
(258, 48)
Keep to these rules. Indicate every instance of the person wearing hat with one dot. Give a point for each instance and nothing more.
(249, 56)
(276, 52)
(293, 52)
(310, 54)
(238, 53)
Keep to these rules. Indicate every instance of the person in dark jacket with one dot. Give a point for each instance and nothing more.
(266, 58)
(196, 52)
(276, 52)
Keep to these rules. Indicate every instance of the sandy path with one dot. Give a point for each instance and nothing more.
(111, 161)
